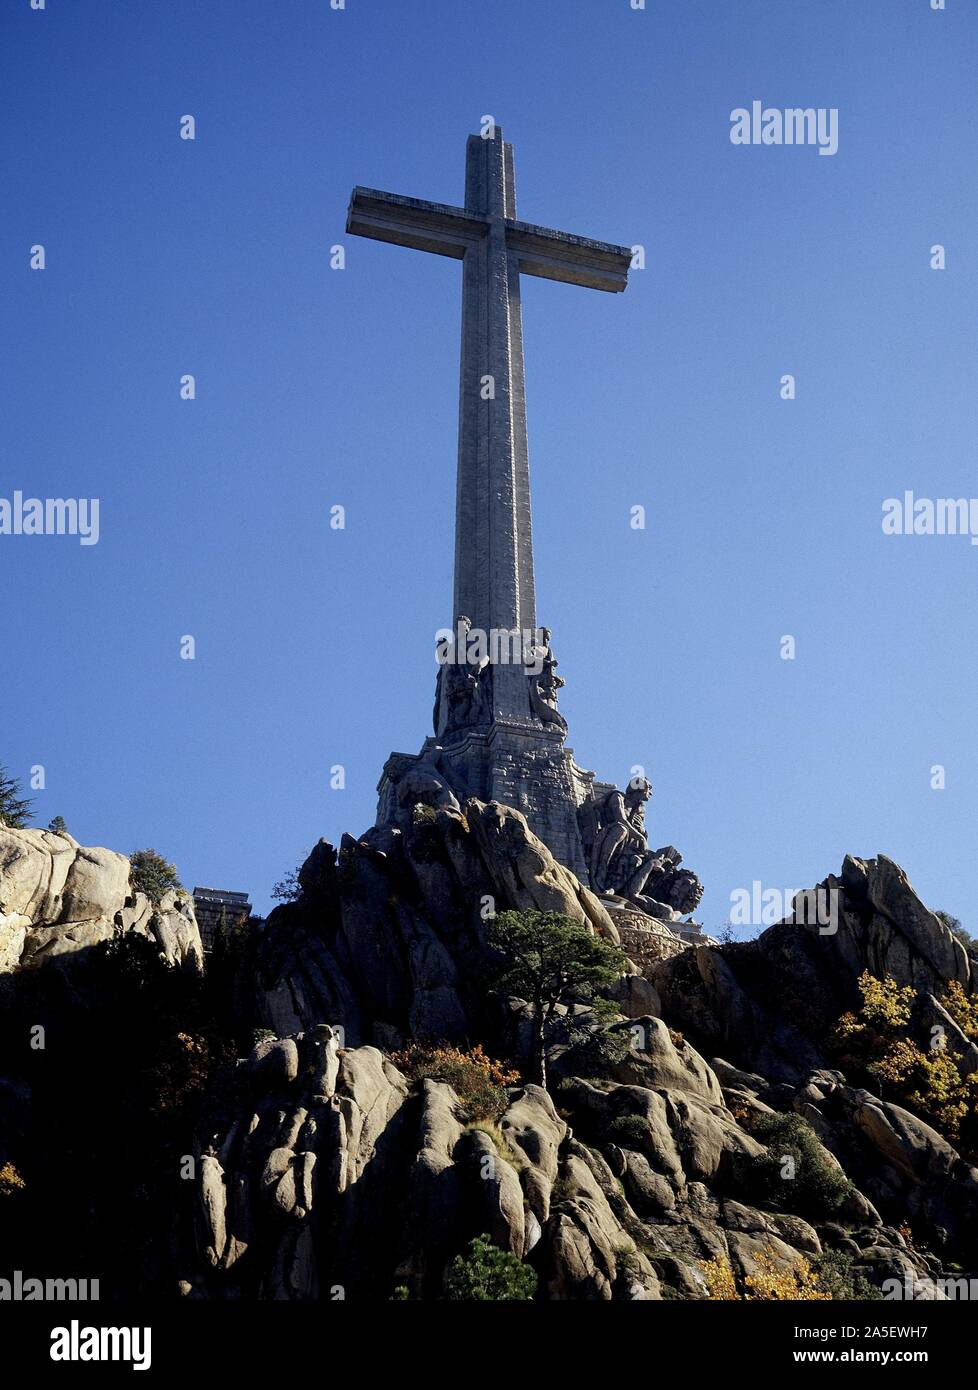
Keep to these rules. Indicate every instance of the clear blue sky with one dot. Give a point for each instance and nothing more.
(317, 387)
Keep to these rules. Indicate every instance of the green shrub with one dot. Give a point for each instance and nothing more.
(836, 1274)
(592, 1047)
(562, 1190)
(628, 1132)
(487, 1274)
(815, 1189)
(627, 1265)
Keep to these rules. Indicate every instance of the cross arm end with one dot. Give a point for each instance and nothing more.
(425, 226)
(576, 260)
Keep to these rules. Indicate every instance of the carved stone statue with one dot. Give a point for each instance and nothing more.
(463, 689)
(544, 683)
(678, 889)
(620, 848)
(621, 863)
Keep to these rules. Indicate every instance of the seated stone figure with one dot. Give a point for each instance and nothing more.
(620, 847)
(544, 683)
(621, 863)
(463, 691)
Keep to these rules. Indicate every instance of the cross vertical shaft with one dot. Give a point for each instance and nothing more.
(510, 747)
(494, 583)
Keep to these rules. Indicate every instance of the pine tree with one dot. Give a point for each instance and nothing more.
(547, 959)
(487, 1274)
(15, 810)
(154, 875)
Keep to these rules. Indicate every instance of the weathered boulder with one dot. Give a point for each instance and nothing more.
(585, 1252)
(274, 1063)
(898, 1162)
(391, 1182)
(637, 996)
(909, 1145)
(534, 1130)
(171, 923)
(58, 897)
(649, 1167)
(901, 938)
(34, 867)
(664, 1060)
(524, 871)
(649, 1192)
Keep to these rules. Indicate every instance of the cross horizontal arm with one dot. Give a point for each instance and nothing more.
(576, 260)
(436, 227)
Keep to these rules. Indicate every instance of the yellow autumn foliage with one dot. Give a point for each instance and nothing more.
(784, 1283)
(720, 1280)
(929, 1082)
(963, 1010)
(771, 1281)
(10, 1180)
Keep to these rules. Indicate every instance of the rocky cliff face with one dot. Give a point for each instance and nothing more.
(332, 1172)
(58, 897)
(336, 1173)
(386, 938)
(325, 1168)
(772, 1002)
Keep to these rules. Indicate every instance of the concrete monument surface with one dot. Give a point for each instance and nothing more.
(498, 734)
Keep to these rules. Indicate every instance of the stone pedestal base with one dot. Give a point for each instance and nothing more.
(648, 940)
(516, 763)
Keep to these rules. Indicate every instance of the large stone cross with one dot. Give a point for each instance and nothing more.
(494, 583)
